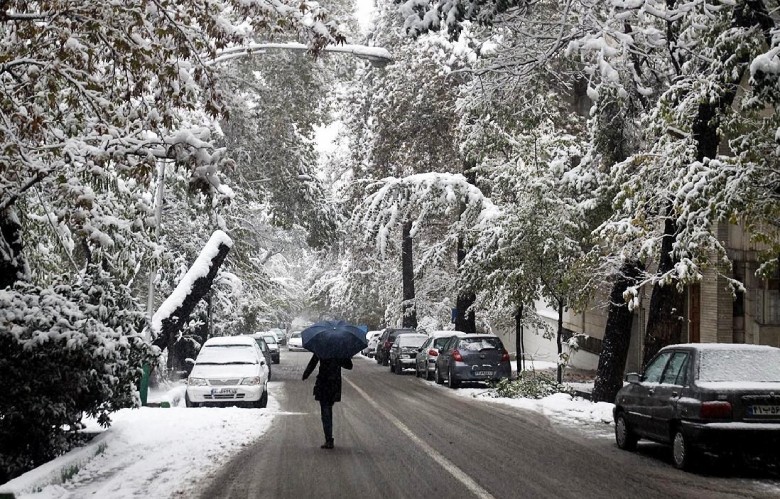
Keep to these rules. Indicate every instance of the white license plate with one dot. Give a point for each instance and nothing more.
(232, 391)
(483, 373)
(764, 410)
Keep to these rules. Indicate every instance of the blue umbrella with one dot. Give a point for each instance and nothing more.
(333, 339)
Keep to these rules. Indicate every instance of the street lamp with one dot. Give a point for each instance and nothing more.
(377, 56)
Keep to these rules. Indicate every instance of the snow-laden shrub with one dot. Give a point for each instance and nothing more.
(66, 350)
(530, 384)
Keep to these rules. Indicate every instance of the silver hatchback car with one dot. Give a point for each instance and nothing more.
(473, 357)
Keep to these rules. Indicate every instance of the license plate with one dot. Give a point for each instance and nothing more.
(231, 391)
(483, 373)
(764, 410)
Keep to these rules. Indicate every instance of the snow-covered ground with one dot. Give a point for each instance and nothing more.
(157, 452)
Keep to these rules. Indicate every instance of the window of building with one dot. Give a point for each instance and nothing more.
(768, 302)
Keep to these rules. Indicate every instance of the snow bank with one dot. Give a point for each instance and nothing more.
(148, 452)
(198, 269)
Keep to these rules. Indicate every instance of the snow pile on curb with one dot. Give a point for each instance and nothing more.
(147, 452)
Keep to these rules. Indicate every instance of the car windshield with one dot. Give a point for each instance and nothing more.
(740, 365)
(227, 354)
(477, 344)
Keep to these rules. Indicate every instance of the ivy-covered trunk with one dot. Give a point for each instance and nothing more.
(464, 316)
(617, 336)
(11, 262)
(407, 276)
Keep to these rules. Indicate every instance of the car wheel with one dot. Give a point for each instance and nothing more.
(263, 402)
(392, 367)
(451, 381)
(188, 402)
(385, 361)
(417, 372)
(437, 376)
(626, 439)
(399, 368)
(683, 453)
(428, 374)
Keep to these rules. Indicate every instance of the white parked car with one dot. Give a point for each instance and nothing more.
(227, 371)
(295, 342)
(373, 338)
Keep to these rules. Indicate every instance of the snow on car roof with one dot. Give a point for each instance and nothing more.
(229, 340)
(447, 334)
(721, 346)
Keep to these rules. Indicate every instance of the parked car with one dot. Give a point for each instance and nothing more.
(386, 341)
(281, 337)
(372, 337)
(273, 345)
(472, 357)
(266, 352)
(404, 351)
(425, 361)
(295, 343)
(228, 370)
(720, 398)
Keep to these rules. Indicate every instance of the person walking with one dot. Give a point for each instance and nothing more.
(327, 390)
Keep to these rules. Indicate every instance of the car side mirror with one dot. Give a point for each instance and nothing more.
(633, 378)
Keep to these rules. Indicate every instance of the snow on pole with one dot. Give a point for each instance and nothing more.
(176, 309)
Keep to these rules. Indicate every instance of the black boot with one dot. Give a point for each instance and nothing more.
(328, 444)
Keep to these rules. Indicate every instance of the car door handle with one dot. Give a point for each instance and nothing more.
(675, 394)
(651, 391)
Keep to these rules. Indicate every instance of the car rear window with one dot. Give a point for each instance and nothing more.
(411, 340)
(740, 365)
(270, 338)
(394, 334)
(440, 342)
(478, 344)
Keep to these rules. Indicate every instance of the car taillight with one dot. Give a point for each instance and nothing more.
(505, 356)
(456, 356)
(433, 353)
(715, 410)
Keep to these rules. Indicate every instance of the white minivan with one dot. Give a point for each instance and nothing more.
(229, 370)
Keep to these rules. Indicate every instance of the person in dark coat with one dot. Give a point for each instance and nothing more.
(327, 390)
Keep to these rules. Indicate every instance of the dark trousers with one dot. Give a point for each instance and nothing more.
(326, 409)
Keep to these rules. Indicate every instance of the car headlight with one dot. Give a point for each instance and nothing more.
(254, 380)
(197, 382)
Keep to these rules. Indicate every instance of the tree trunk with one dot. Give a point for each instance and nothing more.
(171, 326)
(407, 275)
(617, 337)
(464, 317)
(519, 340)
(11, 261)
(560, 340)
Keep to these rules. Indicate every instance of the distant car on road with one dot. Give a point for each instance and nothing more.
(372, 337)
(472, 357)
(425, 361)
(281, 337)
(386, 341)
(720, 398)
(404, 351)
(227, 371)
(295, 343)
(273, 345)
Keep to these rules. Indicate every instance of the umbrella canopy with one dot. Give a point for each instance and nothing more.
(333, 339)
